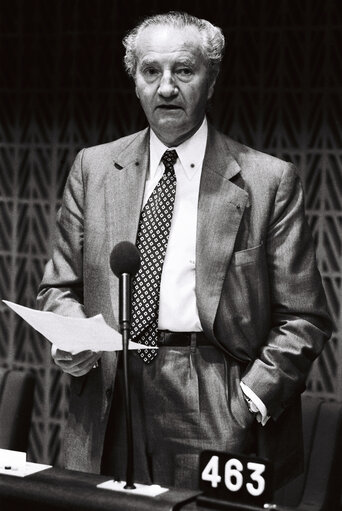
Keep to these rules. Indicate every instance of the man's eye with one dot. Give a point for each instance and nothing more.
(184, 71)
(150, 71)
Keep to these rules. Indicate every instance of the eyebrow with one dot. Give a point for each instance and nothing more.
(147, 61)
(185, 61)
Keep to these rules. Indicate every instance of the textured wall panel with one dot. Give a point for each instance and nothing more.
(62, 86)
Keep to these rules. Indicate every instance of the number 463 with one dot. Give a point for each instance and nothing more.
(234, 475)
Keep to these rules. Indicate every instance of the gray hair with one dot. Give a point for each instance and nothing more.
(212, 37)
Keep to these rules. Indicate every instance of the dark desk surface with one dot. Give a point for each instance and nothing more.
(56, 489)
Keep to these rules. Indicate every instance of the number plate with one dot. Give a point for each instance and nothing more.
(237, 478)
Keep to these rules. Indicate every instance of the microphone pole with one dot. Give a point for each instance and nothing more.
(125, 263)
(125, 294)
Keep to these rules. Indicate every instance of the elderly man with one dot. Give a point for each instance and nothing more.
(228, 288)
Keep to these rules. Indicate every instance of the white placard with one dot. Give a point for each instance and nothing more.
(12, 459)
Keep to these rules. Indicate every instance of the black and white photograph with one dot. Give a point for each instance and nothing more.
(170, 255)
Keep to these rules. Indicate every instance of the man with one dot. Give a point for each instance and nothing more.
(228, 289)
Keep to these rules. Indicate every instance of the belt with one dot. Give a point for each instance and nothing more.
(167, 338)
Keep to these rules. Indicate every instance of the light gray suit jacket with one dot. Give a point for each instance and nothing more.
(259, 293)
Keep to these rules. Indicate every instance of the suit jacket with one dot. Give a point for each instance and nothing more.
(259, 293)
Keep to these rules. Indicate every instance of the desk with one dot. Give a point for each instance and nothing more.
(57, 489)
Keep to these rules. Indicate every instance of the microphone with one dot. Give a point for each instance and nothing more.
(125, 263)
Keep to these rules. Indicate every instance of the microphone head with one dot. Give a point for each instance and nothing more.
(124, 258)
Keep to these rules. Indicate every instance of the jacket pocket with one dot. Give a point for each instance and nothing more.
(247, 256)
(243, 317)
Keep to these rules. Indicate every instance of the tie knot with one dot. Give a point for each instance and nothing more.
(169, 158)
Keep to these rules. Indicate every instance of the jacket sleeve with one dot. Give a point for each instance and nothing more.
(300, 322)
(61, 290)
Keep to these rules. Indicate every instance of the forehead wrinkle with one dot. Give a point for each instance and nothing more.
(173, 58)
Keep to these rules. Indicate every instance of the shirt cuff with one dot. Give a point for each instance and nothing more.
(257, 405)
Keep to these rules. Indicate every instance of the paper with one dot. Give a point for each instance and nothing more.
(152, 490)
(74, 334)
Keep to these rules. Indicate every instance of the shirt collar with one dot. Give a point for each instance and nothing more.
(190, 153)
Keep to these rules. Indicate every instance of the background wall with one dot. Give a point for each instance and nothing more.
(62, 87)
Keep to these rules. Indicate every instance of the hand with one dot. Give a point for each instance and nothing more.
(76, 365)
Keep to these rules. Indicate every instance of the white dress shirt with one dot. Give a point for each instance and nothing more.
(177, 303)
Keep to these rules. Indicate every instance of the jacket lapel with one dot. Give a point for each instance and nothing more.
(124, 195)
(220, 209)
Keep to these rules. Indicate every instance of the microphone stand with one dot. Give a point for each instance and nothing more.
(124, 314)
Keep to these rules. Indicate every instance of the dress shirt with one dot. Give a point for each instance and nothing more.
(177, 303)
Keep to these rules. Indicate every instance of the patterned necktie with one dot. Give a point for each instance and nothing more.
(152, 238)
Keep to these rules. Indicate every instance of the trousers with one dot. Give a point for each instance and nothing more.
(187, 400)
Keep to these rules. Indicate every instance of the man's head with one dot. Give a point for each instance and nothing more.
(174, 59)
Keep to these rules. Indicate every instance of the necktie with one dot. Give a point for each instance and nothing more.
(152, 238)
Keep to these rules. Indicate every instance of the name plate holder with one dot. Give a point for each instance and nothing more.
(232, 481)
(12, 460)
(14, 463)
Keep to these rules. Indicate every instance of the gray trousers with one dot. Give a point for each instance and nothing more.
(187, 400)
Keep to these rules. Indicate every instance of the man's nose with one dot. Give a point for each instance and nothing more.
(167, 86)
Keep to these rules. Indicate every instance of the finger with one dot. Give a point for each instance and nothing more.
(75, 359)
(83, 367)
(69, 365)
(61, 355)
(80, 372)
(89, 362)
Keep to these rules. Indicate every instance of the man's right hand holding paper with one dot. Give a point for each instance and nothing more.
(75, 365)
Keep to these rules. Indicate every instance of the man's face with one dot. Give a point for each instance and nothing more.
(172, 81)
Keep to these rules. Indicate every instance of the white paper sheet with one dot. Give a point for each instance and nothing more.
(74, 334)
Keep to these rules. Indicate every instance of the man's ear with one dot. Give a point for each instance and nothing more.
(212, 81)
(211, 89)
(136, 92)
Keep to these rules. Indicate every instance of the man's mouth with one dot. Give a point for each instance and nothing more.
(169, 107)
